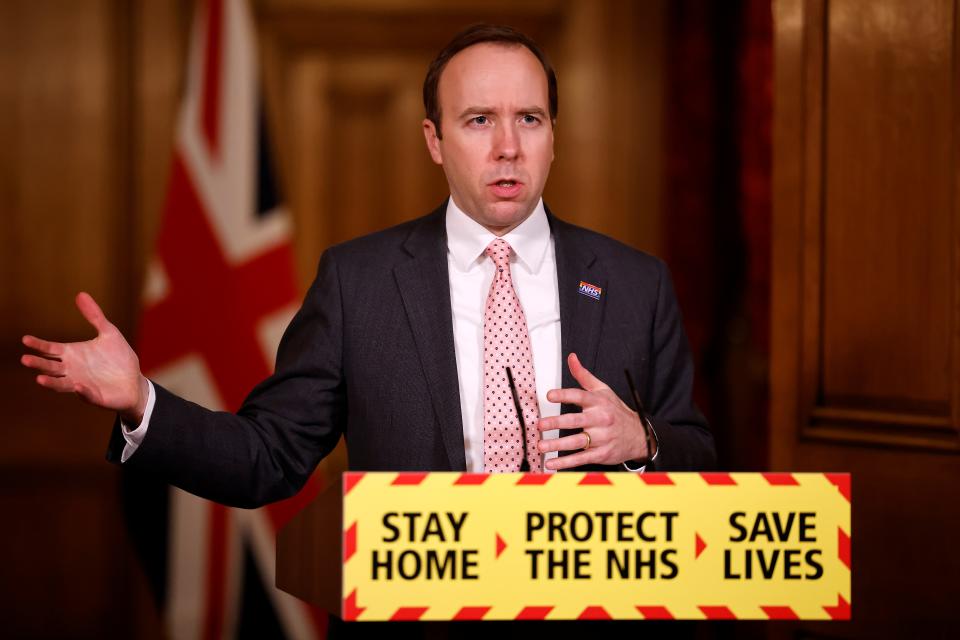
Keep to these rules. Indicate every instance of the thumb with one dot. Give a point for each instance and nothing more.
(586, 379)
(92, 312)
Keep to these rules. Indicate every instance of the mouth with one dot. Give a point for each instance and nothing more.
(506, 188)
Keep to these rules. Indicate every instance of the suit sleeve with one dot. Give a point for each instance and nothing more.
(289, 422)
(685, 442)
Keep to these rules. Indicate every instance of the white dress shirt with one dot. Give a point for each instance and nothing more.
(533, 267)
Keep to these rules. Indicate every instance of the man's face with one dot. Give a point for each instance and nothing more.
(497, 142)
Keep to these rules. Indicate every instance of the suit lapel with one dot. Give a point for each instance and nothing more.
(581, 316)
(425, 289)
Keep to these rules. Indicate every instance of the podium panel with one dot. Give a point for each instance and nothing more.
(566, 546)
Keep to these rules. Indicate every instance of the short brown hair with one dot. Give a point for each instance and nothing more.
(477, 34)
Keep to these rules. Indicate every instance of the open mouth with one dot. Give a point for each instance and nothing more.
(507, 188)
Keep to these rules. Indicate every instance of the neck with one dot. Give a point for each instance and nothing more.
(502, 231)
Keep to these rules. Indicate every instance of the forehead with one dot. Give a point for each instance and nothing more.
(493, 75)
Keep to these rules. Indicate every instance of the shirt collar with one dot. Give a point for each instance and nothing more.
(467, 239)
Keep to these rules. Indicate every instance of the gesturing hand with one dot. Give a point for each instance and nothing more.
(612, 432)
(104, 371)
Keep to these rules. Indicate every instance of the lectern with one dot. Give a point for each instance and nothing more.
(566, 546)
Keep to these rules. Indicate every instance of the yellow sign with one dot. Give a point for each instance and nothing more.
(448, 546)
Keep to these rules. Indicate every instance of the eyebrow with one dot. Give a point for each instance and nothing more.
(484, 110)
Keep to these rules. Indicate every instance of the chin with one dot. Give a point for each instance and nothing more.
(507, 214)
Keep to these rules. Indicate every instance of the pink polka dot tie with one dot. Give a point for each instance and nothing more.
(506, 343)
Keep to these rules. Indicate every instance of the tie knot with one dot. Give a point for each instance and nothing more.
(499, 251)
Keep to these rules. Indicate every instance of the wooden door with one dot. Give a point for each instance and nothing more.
(866, 323)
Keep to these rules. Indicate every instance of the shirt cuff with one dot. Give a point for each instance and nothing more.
(656, 441)
(135, 436)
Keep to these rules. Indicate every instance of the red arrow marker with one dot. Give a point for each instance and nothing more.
(501, 545)
(700, 545)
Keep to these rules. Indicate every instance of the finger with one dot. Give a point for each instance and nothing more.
(586, 379)
(43, 346)
(92, 312)
(576, 442)
(572, 460)
(573, 396)
(43, 365)
(63, 385)
(565, 421)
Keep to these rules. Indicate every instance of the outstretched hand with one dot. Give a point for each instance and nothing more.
(104, 371)
(612, 431)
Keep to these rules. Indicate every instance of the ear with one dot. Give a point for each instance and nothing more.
(433, 142)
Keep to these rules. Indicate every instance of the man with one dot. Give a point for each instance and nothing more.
(404, 339)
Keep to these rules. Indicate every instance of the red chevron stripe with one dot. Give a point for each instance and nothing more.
(408, 479)
(594, 613)
(533, 613)
(839, 612)
(350, 542)
(471, 613)
(471, 478)
(595, 478)
(534, 478)
(843, 547)
(717, 613)
(408, 613)
(781, 479)
(654, 612)
(350, 609)
(656, 477)
(718, 478)
(780, 613)
(350, 480)
(842, 482)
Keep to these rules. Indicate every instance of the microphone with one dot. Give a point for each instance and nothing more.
(641, 411)
(525, 464)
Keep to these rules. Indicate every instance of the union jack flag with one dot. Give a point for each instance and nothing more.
(220, 290)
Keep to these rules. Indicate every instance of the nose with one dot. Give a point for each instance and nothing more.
(506, 143)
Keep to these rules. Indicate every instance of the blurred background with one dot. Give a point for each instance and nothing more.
(795, 162)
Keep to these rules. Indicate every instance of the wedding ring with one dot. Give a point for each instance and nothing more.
(588, 440)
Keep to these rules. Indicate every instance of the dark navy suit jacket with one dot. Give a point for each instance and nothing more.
(370, 357)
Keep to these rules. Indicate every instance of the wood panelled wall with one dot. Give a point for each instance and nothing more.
(88, 98)
(866, 323)
(345, 87)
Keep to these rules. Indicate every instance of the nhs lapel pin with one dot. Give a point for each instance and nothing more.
(590, 290)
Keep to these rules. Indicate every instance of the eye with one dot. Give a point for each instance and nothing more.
(480, 120)
(529, 118)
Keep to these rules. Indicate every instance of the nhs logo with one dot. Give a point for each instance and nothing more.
(590, 290)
